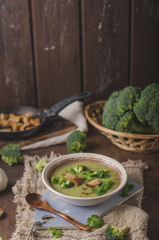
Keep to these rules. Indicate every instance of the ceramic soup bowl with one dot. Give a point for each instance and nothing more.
(79, 159)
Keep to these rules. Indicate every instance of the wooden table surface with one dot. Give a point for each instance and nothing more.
(96, 143)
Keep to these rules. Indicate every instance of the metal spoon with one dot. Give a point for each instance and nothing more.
(35, 200)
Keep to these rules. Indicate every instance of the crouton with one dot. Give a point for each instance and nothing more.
(4, 123)
(35, 121)
(93, 183)
(70, 176)
(78, 181)
(3, 116)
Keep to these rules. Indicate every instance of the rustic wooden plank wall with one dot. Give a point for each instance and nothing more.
(57, 49)
(144, 42)
(17, 84)
(105, 45)
(51, 49)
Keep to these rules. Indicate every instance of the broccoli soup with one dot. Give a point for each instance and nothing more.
(84, 179)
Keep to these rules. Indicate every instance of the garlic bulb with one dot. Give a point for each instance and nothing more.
(3, 180)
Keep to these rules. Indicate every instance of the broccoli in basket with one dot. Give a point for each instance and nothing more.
(120, 103)
(133, 110)
(147, 108)
(115, 233)
(11, 154)
(76, 142)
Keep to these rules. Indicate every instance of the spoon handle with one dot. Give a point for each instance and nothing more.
(69, 219)
(37, 201)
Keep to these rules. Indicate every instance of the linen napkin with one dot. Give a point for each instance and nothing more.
(73, 113)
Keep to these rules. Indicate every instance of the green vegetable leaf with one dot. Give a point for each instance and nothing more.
(71, 171)
(126, 189)
(104, 187)
(95, 221)
(55, 233)
(102, 174)
(89, 175)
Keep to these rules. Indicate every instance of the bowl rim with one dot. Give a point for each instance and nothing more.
(113, 162)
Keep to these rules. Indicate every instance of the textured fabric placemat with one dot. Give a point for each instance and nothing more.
(129, 214)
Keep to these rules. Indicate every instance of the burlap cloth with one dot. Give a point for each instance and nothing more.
(129, 214)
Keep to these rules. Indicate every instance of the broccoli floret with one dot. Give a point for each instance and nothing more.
(118, 104)
(152, 116)
(147, 108)
(76, 142)
(108, 120)
(133, 110)
(40, 164)
(129, 123)
(126, 99)
(11, 154)
(109, 116)
(80, 168)
(65, 183)
(58, 180)
(115, 233)
(54, 180)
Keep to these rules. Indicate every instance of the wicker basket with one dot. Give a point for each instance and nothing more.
(131, 142)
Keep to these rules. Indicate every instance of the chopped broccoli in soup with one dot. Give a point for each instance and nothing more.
(84, 179)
